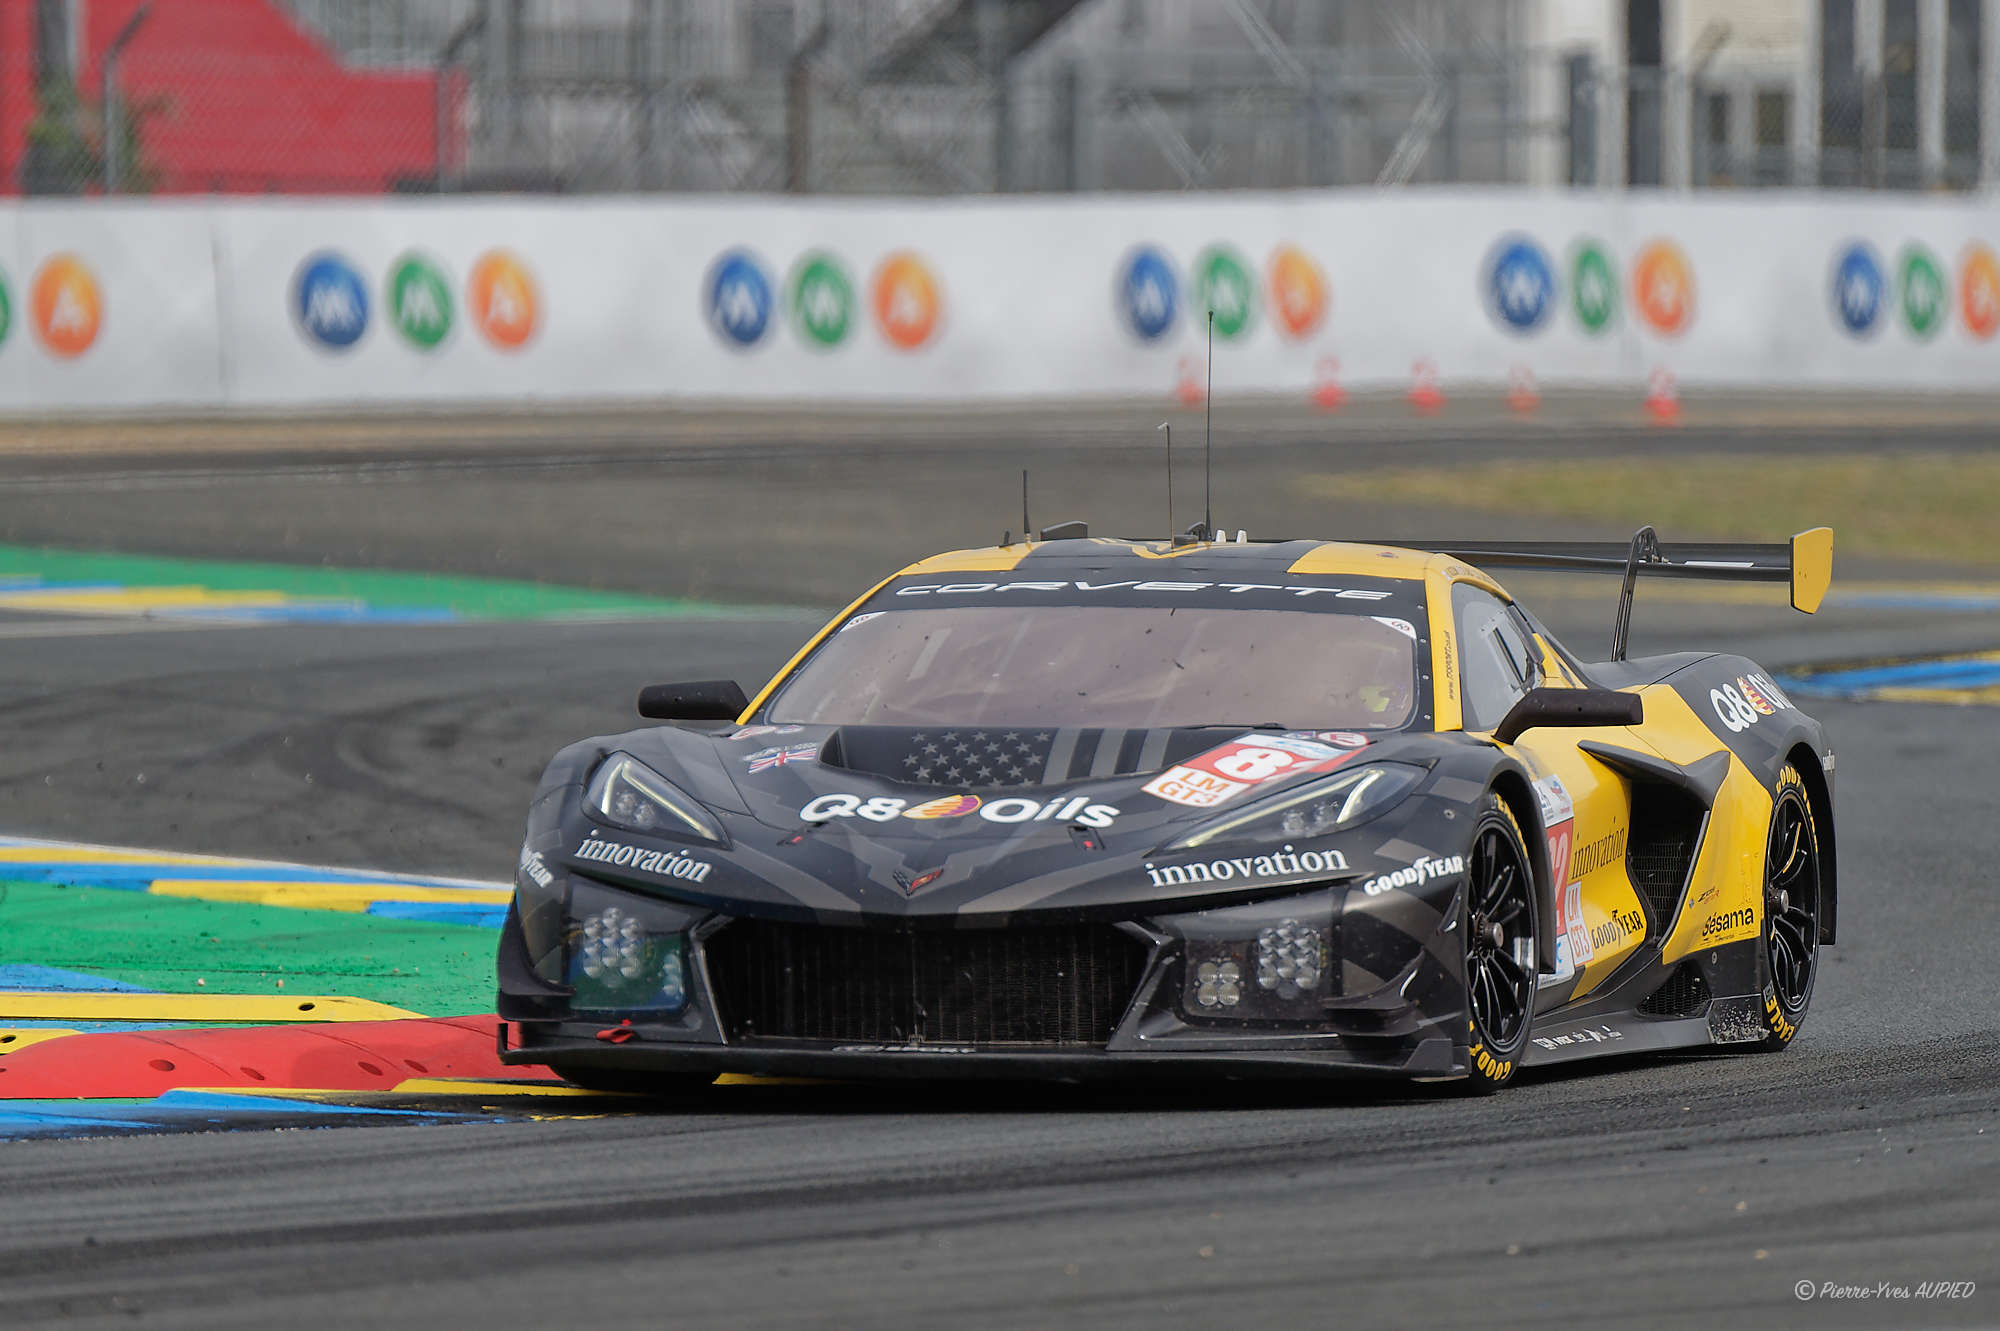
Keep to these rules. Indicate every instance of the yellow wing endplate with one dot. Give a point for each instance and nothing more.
(1812, 568)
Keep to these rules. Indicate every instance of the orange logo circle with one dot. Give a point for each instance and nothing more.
(1298, 291)
(907, 301)
(1663, 287)
(501, 295)
(1979, 291)
(67, 307)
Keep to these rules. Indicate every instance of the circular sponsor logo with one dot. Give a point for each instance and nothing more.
(6, 312)
(739, 298)
(1857, 288)
(1520, 285)
(1223, 285)
(1978, 291)
(822, 299)
(1148, 294)
(1663, 288)
(501, 297)
(419, 301)
(907, 300)
(330, 301)
(949, 806)
(67, 307)
(1298, 293)
(1921, 280)
(1593, 287)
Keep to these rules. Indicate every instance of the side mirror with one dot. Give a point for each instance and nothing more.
(702, 700)
(1569, 707)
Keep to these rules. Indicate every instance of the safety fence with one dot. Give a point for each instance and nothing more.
(258, 303)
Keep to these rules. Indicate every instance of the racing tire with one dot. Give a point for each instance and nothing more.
(625, 1081)
(1497, 927)
(1793, 877)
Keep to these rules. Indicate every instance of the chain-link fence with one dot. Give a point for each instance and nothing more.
(951, 96)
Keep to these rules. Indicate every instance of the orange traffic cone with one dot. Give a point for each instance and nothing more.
(1327, 391)
(1521, 394)
(1425, 395)
(1663, 399)
(1187, 385)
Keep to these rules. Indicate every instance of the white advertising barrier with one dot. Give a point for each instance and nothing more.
(270, 303)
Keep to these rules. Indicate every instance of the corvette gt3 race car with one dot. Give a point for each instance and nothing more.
(1070, 807)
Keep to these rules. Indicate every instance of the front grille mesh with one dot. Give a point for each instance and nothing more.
(1065, 985)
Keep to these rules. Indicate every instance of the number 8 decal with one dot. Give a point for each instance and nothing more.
(1254, 765)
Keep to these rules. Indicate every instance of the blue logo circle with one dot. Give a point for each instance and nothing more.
(1148, 293)
(1858, 288)
(330, 301)
(1520, 284)
(739, 298)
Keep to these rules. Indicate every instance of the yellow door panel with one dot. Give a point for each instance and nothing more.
(1598, 916)
(1726, 891)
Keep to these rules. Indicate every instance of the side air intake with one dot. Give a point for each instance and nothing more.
(1659, 854)
(1684, 994)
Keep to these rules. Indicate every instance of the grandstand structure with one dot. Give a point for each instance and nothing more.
(978, 96)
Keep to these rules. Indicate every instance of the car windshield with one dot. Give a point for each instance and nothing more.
(1132, 666)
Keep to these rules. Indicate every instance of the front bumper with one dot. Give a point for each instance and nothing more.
(1401, 1015)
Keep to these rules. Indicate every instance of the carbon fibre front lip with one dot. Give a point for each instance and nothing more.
(1431, 1057)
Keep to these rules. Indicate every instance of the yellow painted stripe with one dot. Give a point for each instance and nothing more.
(27, 1005)
(138, 600)
(325, 896)
(485, 1089)
(96, 855)
(1965, 697)
(12, 1039)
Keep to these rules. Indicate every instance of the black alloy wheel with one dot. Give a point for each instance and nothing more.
(1499, 923)
(1792, 871)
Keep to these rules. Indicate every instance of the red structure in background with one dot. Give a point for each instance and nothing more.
(233, 97)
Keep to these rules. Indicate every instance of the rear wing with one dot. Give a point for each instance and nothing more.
(1805, 563)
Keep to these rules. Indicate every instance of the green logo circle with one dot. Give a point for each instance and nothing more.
(419, 301)
(1593, 287)
(1923, 291)
(822, 299)
(1222, 283)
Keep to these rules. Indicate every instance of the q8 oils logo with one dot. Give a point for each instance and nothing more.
(67, 306)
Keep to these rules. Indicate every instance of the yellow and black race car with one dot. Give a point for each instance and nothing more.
(1073, 807)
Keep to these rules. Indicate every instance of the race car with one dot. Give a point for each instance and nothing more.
(1071, 808)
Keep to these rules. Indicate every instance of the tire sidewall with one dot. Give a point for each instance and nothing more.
(1489, 1067)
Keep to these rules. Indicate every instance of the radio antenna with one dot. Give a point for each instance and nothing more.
(1208, 441)
(1168, 426)
(1027, 532)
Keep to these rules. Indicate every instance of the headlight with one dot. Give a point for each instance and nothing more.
(1341, 801)
(626, 793)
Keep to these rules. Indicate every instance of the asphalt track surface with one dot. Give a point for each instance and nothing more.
(1694, 1191)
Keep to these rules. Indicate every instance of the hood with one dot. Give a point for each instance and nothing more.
(981, 823)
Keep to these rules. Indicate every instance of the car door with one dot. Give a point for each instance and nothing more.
(1586, 807)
